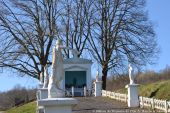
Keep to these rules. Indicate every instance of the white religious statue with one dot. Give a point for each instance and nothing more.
(41, 78)
(75, 53)
(97, 76)
(54, 87)
(46, 77)
(131, 74)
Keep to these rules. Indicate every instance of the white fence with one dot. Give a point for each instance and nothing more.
(144, 101)
(116, 96)
(155, 103)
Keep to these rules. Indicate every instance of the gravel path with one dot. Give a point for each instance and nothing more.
(104, 105)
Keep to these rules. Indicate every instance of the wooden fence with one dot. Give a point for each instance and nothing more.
(162, 105)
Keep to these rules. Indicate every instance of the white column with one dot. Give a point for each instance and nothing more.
(85, 91)
(98, 88)
(133, 97)
(72, 90)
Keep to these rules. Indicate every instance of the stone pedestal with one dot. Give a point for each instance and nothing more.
(98, 88)
(133, 97)
(57, 105)
(43, 93)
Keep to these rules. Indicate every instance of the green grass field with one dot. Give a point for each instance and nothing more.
(27, 108)
(159, 90)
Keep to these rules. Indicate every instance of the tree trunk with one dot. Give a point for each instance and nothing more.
(104, 77)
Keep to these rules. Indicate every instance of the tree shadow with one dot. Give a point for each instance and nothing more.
(154, 93)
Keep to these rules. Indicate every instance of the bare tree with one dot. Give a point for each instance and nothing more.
(121, 31)
(27, 31)
(28, 28)
(116, 31)
(75, 20)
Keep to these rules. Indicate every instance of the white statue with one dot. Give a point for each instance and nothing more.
(41, 80)
(57, 76)
(75, 53)
(97, 76)
(46, 77)
(131, 74)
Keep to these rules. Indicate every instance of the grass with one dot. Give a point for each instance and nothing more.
(27, 108)
(159, 90)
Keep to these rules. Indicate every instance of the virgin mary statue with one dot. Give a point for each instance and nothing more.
(54, 87)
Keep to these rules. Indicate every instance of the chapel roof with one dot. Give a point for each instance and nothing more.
(77, 61)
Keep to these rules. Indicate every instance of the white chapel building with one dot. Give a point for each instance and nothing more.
(77, 74)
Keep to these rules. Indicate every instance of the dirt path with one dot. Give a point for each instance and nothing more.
(104, 105)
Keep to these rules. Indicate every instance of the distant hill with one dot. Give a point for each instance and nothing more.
(159, 90)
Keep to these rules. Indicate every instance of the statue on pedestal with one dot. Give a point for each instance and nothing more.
(46, 77)
(97, 76)
(41, 80)
(75, 53)
(54, 88)
(131, 75)
(133, 96)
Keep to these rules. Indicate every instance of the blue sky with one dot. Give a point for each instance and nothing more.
(159, 14)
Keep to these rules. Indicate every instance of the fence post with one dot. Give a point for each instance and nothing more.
(118, 96)
(153, 104)
(142, 102)
(110, 95)
(113, 95)
(166, 106)
(125, 98)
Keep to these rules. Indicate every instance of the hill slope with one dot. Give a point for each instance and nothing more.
(27, 108)
(159, 90)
